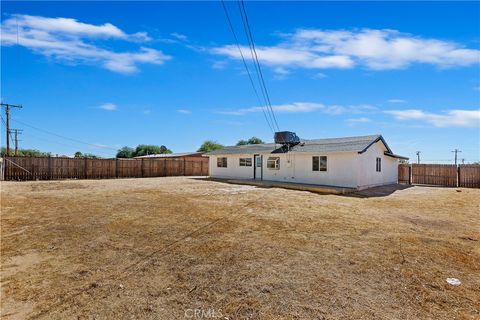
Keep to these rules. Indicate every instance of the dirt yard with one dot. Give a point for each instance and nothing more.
(187, 248)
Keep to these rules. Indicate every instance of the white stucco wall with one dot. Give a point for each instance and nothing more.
(341, 169)
(344, 169)
(367, 174)
(233, 169)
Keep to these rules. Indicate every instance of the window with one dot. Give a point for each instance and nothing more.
(319, 163)
(259, 161)
(379, 165)
(245, 162)
(222, 162)
(273, 163)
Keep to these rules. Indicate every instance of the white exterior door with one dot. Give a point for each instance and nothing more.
(258, 167)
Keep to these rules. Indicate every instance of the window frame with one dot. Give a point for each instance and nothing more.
(259, 162)
(245, 162)
(276, 161)
(320, 163)
(378, 164)
(222, 162)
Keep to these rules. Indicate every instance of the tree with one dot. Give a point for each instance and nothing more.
(91, 156)
(210, 145)
(142, 150)
(252, 140)
(26, 153)
(146, 149)
(78, 154)
(125, 152)
(242, 142)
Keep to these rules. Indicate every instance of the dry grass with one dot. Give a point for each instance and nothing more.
(156, 248)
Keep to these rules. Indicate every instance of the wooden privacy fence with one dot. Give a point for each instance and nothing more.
(52, 168)
(447, 175)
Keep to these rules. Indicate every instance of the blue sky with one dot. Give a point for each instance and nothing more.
(117, 73)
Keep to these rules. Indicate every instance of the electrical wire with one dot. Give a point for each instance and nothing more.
(9, 133)
(253, 49)
(64, 137)
(270, 125)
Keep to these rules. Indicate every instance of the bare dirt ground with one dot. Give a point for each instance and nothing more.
(186, 248)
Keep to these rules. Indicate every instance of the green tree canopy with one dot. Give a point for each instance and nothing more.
(90, 156)
(210, 145)
(26, 153)
(79, 154)
(142, 150)
(252, 140)
(146, 149)
(125, 152)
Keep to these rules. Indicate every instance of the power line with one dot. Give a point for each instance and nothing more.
(74, 147)
(64, 137)
(255, 64)
(7, 122)
(250, 35)
(245, 65)
(16, 131)
(9, 132)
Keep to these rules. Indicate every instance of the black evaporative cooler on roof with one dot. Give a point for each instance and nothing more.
(286, 138)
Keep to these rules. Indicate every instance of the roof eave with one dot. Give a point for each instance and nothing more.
(389, 154)
(380, 138)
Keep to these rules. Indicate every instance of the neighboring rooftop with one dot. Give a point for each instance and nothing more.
(347, 144)
(172, 155)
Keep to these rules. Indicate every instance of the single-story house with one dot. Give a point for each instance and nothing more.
(352, 162)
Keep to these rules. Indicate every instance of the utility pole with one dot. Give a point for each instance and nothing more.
(17, 132)
(456, 152)
(418, 156)
(7, 122)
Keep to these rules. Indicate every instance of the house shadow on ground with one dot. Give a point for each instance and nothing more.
(380, 191)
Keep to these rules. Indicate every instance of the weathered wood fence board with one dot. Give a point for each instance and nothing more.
(434, 174)
(404, 171)
(46, 168)
(469, 176)
(447, 175)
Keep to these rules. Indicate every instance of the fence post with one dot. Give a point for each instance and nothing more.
(141, 168)
(458, 176)
(410, 174)
(85, 168)
(50, 173)
(184, 171)
(116, 167)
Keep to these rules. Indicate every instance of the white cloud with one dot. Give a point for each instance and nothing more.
(71, 41)
(219, 65)
(359, 120)
(373, 49)
(184, 111)
(303, 107)
(451, 118)
(397, 101)
(108, 107)
(179, 36)
(319, 75)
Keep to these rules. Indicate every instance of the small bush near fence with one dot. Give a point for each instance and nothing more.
(447, 175)
(49, 168)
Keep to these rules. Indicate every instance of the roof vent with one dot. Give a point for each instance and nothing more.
(286, 138)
